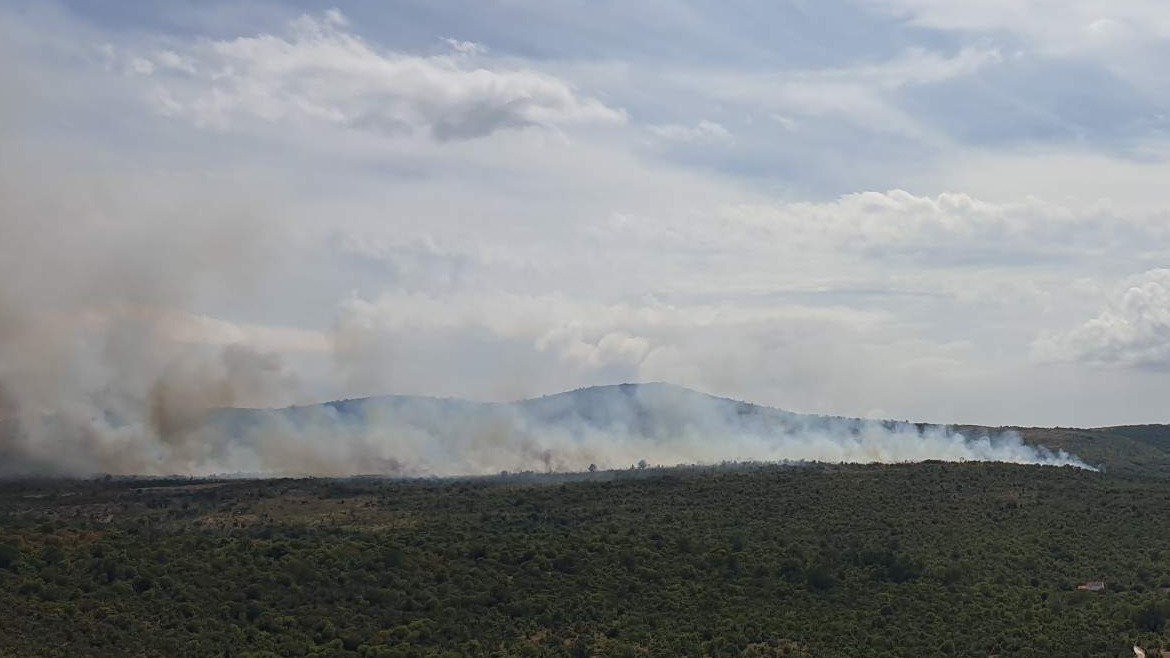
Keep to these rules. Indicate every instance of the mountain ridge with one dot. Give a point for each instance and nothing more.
(1135, 449)
(608, 426)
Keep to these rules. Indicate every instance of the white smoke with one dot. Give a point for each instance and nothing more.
(610, 427)
(105, 368)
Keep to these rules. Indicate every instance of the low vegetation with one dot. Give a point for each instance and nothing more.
(931, 559)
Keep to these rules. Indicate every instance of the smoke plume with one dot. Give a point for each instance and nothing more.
(100, 264)
(607, 427)
(105, 366)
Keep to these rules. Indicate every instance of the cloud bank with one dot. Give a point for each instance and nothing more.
(318, 72)
(1132, 332)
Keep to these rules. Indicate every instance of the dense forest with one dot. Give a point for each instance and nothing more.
(935, 559)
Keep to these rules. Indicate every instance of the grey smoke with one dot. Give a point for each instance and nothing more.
(100, 264)
(609, 426)
(606, 426)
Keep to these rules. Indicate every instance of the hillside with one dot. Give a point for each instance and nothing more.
(1138, 450)
(606, 427)
(670, 422)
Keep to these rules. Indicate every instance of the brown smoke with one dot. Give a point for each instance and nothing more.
(101, 260)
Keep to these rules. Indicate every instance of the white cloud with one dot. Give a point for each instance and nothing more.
(1128, 37)
(860, 93)
(465, 47)
(1055, 25)
(1071, 177)
(945, 230)
(788, 123)
(704, 132)
(141, 66)
(913, 67)
(500, 345)
(318, 72)
(173, 60)
(1133, 331)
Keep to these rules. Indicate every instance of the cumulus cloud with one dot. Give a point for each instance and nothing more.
(318, 71)
(1133, 331)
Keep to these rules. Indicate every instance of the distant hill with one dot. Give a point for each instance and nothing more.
(1128, 449)
(657, 413)
(615, 426)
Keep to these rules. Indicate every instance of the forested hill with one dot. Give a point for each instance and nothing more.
(660, 411)
(654, 409)
(1128, 449)
(1124, 449)
(614, 426)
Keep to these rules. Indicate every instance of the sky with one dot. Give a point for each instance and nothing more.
(906, 209)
